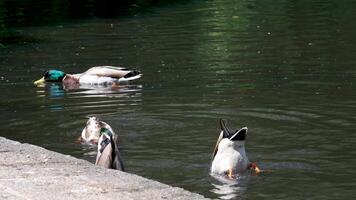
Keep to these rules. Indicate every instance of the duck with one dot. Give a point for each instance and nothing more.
(229, 155)
(108, 155)
(100, 133)
(92, 131)
(99, 75)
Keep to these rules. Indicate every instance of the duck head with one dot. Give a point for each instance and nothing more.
(229, 138)
(51, 76)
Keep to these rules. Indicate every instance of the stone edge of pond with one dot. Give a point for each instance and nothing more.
(32, 172)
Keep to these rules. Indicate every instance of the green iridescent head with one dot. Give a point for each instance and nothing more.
(51, 76)
(54, 76)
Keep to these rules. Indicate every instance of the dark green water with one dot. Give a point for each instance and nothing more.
(285, 69)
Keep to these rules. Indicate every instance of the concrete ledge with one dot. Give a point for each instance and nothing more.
(32, 172)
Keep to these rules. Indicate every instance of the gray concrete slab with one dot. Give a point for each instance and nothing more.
(32, 172)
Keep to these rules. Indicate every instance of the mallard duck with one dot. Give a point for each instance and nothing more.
(101, 75)
(101, 133)
(229, 156)
(92, 131)
(108, 152)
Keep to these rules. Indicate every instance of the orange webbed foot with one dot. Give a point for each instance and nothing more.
(255, 168)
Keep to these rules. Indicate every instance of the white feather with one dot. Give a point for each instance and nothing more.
(230, 155)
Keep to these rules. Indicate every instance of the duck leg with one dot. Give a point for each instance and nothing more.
(230, 173)
(253, 166)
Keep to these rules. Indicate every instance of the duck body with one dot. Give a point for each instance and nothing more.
(101, 75)
(92, 131)
(229, 156)
(87, 79)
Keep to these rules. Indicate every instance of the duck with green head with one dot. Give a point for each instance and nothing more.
(101, 75)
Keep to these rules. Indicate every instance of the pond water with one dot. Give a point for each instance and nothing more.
(284, 69)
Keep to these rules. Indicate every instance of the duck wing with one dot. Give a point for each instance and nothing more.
(104, 158)
(109, 155)
(111, 71)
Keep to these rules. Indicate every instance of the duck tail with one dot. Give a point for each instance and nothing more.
(132, 75)
(117, 162)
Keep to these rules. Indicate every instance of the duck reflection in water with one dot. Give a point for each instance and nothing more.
(229, 188)
(55, 90)
(58, 90)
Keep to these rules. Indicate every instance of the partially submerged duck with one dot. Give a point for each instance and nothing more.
(99, 132)
(101, 75)
(108, 152)
(229, 156)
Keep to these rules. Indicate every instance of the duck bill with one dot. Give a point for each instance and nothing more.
(40, 81)
(217, 144)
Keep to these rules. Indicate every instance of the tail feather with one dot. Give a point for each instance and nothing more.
(132, 74)
(108, 152)
(117, 162)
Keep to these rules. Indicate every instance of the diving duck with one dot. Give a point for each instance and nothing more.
(108, 152)
(101, 75)
(101, 133)
(229, 156)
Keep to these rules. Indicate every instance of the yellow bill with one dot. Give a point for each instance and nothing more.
(39, 81)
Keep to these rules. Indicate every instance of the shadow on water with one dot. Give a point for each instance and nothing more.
(16, 14)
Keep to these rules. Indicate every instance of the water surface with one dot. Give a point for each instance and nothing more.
(284, 69)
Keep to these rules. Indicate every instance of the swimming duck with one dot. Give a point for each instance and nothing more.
(108, 152)
(101, 75)
(92, 131)
(229, 156)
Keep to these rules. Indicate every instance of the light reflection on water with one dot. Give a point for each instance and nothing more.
(284, 69)
(99, 97)
(230, 188)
